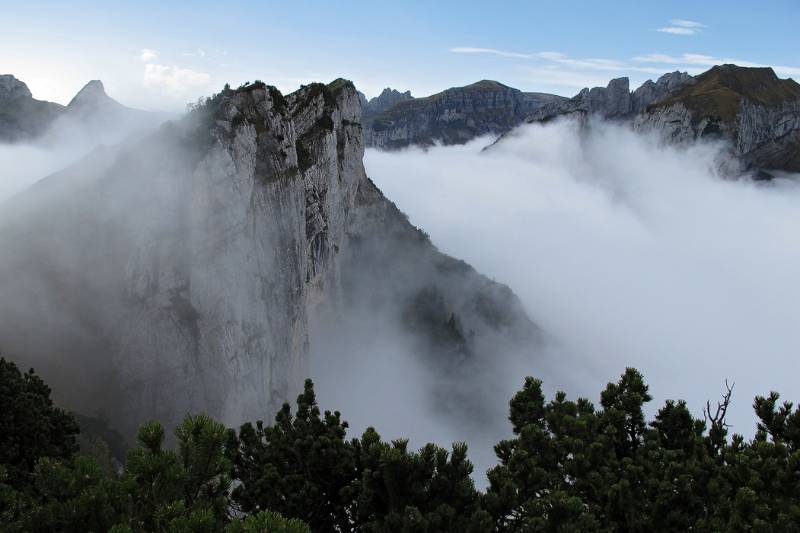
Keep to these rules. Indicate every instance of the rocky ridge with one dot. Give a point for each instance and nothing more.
(615, 101)
(453, 116)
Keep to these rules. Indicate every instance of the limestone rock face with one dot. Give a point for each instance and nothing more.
(613, 101)
(453, 116)
(651, 92)
(756, 112)
(184, 269)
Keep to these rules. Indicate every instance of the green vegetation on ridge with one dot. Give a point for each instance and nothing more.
(718, 92)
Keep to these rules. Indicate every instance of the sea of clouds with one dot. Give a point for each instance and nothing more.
(627, 252)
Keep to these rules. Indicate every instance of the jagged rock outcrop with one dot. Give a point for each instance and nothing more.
(383, 101)
(453, 116)
(752, 109)
(615, 101)
(182, 271)
(22, 117)
(651, 92)
(611, 102)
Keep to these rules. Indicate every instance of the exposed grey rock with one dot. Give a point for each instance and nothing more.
(611, 102)
(615, 101)
(183, 270)
(385, 100)
(362, 98)
(651, 92)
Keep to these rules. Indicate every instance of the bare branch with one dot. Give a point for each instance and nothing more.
(718, 418)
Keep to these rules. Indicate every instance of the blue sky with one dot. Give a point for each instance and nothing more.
(161, 55)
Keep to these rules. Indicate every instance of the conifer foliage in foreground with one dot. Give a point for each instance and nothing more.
(570, 466)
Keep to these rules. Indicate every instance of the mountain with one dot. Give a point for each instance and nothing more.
(460, 114)
(92, 102)
(190, 270)
(615, 101)
(751, 108)
(453, 116)
(383, 101)
(756, 113)
(23, 118)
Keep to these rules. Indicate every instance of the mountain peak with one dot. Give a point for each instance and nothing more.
(11, 87)
(92, 94)
(486, 84)
(388, 91)
(385, 100)
(718, 91)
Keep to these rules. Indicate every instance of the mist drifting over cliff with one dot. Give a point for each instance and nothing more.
(65, 142)
(203, 267)
(625, 251)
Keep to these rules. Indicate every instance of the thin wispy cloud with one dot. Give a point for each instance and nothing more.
(584, 63)
(561, 77)
(683, 23)
(489, 51)
(683, 27)
(197, 53)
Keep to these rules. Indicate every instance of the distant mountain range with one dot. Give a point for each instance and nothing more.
(453, 116)
(752, 109)
(24, 118)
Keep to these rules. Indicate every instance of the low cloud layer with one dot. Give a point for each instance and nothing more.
(626, 252)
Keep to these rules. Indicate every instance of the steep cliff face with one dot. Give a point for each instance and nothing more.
(183, 270)
(651, 92)
(453, 116)
(751, 108)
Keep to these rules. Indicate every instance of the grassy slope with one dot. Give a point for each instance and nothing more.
(718, 91)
